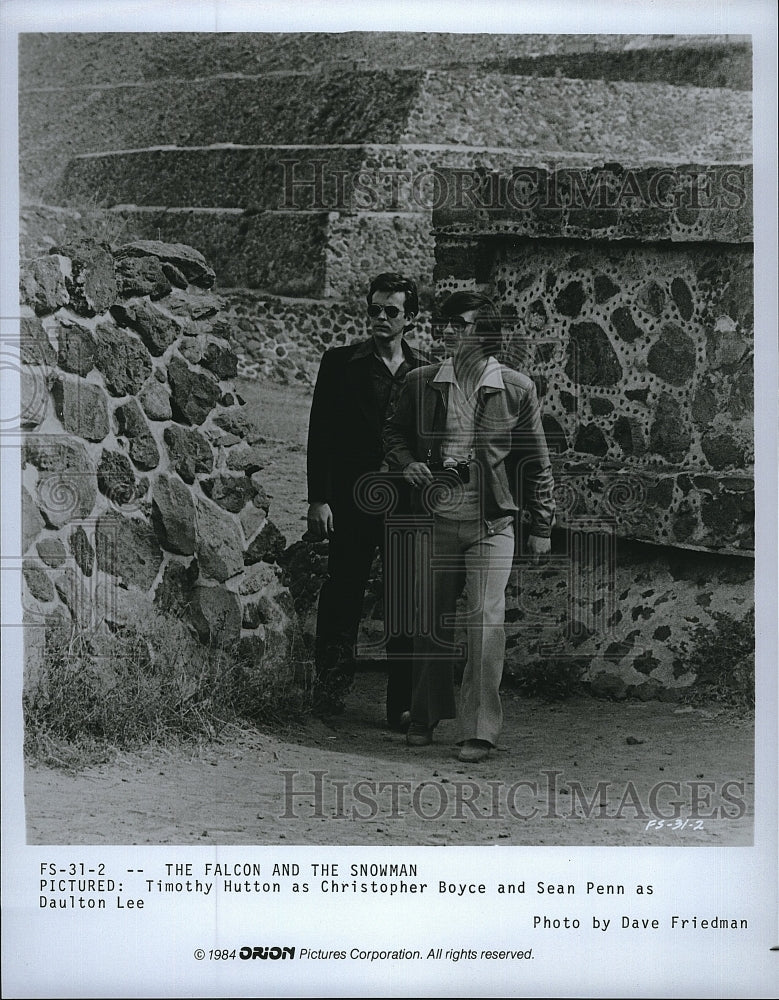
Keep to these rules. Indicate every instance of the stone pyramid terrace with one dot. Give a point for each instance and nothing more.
(301, 165)
(298, 184)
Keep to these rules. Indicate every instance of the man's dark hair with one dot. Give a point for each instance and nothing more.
(391, 281)
(488, 325)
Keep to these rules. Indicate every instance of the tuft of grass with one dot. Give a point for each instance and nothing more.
(551, 680)
(96, 221)
(151, 681)
(723, 659)
(74, 755)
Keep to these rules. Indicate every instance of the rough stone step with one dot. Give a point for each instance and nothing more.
(717, 65)
(549, 115)
(333, 107)
(337, 178)
(615, 118)
(73, 59)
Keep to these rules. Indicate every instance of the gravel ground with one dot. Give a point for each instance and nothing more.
(608, 758)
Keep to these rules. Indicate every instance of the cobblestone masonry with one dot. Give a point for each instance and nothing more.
(139, 489)
(623, 613)
(626, 613)
(642, 351)
(640, 340)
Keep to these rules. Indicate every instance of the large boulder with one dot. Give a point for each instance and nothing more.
(122, 360)
(231, 492)
(82, 407)
(132, 425)
(173, 515)
(188, 451)
(67, 487)
(75, 347)
(82, 550)
(116, 478)
(193, 394)
(219, 543)
(156, 328)
(141, 276)
(42, 284)
(90, 279)
(155, 400)
(216, 614)
(185, 259)
(34, 345)
(127, 548)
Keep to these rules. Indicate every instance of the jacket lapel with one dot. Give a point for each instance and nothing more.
(360, 386)
(434, 408)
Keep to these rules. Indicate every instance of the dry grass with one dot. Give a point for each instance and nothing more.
(150, 682)
(723, 659)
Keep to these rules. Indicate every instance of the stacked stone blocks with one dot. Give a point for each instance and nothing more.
(142, 484)
(636, 323)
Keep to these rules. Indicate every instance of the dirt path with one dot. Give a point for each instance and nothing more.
(233, 791)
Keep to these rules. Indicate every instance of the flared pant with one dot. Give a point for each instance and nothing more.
(465, 553)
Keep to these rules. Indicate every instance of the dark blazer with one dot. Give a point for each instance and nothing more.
(510, 446)
(344, 431)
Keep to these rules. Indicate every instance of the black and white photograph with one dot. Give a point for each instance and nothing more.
(389, 464)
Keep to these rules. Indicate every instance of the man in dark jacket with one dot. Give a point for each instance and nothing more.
(355, 388)
(467, 436)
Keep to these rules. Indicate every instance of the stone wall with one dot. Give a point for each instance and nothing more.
(641, 342)
(621, 615)
(277, 337)
(635, 322)
(283, 340)
(141, 482)
(634, 315)
(625, 613)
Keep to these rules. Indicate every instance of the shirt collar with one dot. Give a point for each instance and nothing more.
(362, 350)
(365, 349)
(491, 377)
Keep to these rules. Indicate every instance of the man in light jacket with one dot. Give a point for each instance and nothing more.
(467, 435)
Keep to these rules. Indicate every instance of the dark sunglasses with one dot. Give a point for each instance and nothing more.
(440, 323)
(375, 310)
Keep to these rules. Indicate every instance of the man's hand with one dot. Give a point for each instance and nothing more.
(320, 520)
(538, 547)
(418, 474)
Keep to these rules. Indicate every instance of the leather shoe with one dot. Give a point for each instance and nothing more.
(419, 735)
(475, 751)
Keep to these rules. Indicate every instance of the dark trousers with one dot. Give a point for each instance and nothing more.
(356, 538)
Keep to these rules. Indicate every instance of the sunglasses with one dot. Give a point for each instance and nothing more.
(440, 323)
(391, 312)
